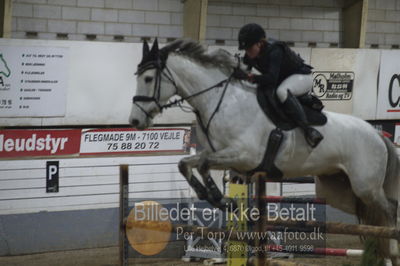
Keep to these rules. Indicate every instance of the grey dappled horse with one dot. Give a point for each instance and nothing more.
(357, 169)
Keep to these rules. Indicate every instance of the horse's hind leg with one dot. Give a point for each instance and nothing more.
(336, 190)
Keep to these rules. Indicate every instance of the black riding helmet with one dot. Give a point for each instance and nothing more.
(250, 34)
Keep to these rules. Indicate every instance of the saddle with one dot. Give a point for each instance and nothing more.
(273, 109)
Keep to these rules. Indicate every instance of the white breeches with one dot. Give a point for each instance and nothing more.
(298, 84)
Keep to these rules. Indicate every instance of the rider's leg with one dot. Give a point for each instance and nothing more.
(297, 84)
(287, 91)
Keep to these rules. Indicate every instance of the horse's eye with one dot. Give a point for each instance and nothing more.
(148, 79)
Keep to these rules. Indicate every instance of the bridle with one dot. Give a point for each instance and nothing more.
(157, 86)
(162, 69)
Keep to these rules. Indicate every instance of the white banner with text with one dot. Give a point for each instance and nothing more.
(33, 81)
(106, 141)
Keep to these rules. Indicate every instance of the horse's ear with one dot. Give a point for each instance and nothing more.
(154, 48)
(146, 49)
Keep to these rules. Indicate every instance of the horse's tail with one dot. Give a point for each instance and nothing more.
(392, 176)
(391, 186)
(391, 183)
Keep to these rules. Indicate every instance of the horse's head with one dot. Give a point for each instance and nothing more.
(181, 67)
(152, 92)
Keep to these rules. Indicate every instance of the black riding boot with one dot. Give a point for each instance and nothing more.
(295, 110)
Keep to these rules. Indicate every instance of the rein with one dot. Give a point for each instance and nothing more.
(205, 129)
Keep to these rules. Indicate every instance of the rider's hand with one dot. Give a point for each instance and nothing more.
(250, 77)
(238, 73)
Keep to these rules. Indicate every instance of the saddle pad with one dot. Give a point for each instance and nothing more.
(274, 111)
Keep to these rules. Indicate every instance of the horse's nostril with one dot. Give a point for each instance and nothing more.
(134, 122)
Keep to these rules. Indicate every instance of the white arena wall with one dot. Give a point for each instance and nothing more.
(84, 213)
(101, 82)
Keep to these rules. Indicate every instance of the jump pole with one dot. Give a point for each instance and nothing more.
(342, 252)
(125, 224)
(261, 205)
(295, 200)
(123, 212)
(343, 228)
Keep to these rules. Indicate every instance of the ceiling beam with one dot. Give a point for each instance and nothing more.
(5, 21)
(355, 15)
(195, 19)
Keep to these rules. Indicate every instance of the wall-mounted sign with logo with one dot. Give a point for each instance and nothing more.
(33, 81)
(336, 86)
(389, 86)
(387, 128)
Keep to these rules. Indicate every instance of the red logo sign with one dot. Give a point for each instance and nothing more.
(23, 143)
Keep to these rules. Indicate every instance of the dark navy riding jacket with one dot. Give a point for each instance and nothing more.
(275, 63)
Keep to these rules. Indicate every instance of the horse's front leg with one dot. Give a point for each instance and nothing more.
(221, 160)
(224, 159)
(185, 167)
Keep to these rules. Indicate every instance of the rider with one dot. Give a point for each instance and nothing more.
(281, 70)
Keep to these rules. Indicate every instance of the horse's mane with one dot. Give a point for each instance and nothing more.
(197, 52)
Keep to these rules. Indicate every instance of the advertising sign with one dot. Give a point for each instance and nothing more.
(31, 143)
(33, 81)
(396, 138)
(386, 128)
(333, 85)
(106, 141)
(389, 86)
(335, 78)
(81, 142)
